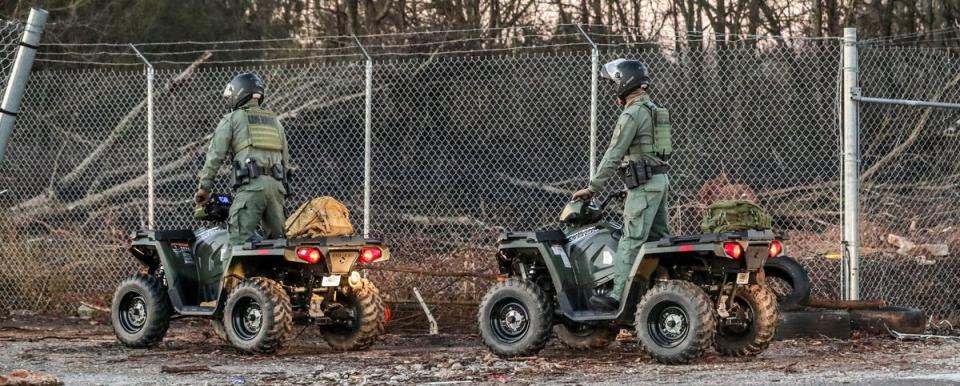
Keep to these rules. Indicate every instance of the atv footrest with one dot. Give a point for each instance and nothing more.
(196, 311)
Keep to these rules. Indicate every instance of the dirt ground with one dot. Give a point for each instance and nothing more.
(85, 352)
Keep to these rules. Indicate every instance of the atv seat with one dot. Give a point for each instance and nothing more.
(548, 235)
(174, 235)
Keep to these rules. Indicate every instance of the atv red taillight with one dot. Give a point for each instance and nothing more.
(310, 255)
(775, 249)
(370, 254)
(733, 250)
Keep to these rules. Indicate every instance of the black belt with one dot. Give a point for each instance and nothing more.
(659, 169)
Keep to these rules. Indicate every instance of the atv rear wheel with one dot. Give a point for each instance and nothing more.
(675, 322)
(365, 318)
(140, 311)
(258, 317)
(515, 318)
(578, 336)
(752, 323)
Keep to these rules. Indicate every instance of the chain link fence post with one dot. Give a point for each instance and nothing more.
(17, 83)
(151, 181)
(851, 168)
(367, 136)
(594, 68)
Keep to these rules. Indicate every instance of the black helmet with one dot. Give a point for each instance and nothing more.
(242, 88)
(627, 74)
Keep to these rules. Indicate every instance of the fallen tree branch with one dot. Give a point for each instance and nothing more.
(120, 128)
(914, 135)
(184, 369)
(845, 304)
(435, 302)
(95, 307)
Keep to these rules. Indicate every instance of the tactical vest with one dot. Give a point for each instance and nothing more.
(263, 131)
(656, 142)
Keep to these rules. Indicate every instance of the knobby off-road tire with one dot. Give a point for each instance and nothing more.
(585, 337)
(258, 317)
(675, 322)
(792, 273)
(515, 318)
(758, 305)
(140, 311)
(368, 319)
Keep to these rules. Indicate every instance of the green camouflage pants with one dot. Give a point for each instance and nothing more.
(644, 219)
(257, 203)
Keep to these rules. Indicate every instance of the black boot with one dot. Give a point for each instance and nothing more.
(604, 302)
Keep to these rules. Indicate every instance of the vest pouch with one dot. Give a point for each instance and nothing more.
(263, 131)
(662, 140)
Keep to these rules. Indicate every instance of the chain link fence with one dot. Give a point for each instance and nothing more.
(464, 145)
(910, 175)
(10, 32)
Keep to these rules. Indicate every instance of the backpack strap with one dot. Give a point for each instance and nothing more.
(653, 108)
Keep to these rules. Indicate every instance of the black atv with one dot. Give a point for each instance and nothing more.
(686, 293)
(252, 293)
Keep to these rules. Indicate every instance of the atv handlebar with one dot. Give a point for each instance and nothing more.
(603, 204)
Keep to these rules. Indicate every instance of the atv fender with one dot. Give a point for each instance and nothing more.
(156, 253)
(517, 243)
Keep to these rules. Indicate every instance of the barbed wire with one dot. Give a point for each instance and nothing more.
(471, 51)
(479, 40)
(467, 40)
(212, 50)
(449, 31)
(912, 35)
(92, 63)
(236, 61)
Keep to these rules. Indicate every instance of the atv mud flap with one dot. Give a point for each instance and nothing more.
(756, 256)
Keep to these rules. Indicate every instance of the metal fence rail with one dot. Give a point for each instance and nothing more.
(462, 146)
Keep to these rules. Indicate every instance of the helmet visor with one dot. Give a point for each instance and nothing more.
(611, 70)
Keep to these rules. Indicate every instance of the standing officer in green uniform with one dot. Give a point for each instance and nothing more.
(641, 153)
(257, 143)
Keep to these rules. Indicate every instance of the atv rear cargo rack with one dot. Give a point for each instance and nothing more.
(751, 234)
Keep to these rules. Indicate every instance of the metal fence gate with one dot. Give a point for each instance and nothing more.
(465, 144)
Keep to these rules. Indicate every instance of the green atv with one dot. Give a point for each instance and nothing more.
(685, 293)
(252, 293)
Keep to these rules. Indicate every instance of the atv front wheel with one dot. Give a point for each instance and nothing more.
(675, 322)
(140, 311)
(258, 317)
(752, 322)
(585, 337)
(515, 318)
(364, 318)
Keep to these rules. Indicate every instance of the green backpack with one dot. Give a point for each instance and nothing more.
(734, 215)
